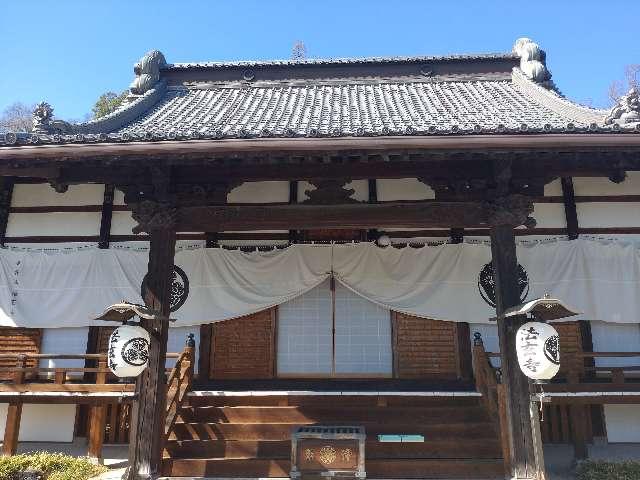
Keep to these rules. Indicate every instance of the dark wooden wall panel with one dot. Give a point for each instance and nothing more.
(18, 341)
(425, 348)
(244, 348)
(570, 346)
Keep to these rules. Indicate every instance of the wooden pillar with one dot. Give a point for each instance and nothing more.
(148, 413)
(570, 211)
(14, 413)
(526, 461)
(97, 419)
(107, 214)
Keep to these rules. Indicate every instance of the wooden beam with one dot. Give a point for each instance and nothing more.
(107, 214)
(147, 425)
(341, 144)
(525, 456)
(346, 216)
(570, 211)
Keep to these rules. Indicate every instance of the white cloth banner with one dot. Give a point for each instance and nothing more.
(446, 282)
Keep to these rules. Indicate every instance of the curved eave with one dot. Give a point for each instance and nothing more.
(340, 144)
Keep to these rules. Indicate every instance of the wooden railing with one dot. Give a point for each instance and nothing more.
(30, 384)
(179, 384)
(565, 419)
(493, 393)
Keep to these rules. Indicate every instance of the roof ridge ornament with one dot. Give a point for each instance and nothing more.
(147, 72)
(533, 61)
(626, 110)
(43, 122)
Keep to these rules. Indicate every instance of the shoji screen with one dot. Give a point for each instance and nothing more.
(305, 342)
(363, 336)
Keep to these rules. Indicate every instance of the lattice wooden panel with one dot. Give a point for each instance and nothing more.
(424, 348)
(18, 341)
(244, 348)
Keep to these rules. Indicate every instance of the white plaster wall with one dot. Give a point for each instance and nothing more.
(608, 214)
(43, 422)
(603, 186)
(549, 215)
(403, 189)
(57, 223)
(623, 423)
(41, 194)
(260, 192)
(122, 223)
(553, 189)
(118, 197)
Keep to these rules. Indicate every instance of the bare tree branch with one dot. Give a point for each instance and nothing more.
(17, 117)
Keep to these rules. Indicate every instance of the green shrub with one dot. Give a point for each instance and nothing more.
(608, 471)
(55, 466)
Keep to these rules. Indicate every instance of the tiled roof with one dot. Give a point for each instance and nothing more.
(455, 101)
(350, 109)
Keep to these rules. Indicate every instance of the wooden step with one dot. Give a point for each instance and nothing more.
(384, 468)
(329, 415)
(281, 449)
(282, 431)
(320, 400)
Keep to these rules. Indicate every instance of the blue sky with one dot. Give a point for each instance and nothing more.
(68, 52)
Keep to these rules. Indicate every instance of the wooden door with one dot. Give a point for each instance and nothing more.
(244, 348)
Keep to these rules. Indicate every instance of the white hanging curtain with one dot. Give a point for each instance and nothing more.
(602, 280)
(442, 282)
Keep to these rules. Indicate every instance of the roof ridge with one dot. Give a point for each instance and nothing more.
(556, 102)
(336, 61)
(125, 114)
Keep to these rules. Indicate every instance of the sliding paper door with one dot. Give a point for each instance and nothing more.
(305, 340)
(363, 336)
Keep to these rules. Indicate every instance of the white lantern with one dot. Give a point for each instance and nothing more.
(538, 349)
(128, 353)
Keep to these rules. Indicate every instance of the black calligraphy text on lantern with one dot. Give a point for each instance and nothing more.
(115, 336)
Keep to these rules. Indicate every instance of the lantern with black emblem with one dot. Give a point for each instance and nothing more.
(537, 342)
(128, 351)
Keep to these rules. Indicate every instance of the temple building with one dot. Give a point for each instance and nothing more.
(337, 242)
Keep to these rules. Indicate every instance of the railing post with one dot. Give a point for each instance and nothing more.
(97, 416)
(14, 413)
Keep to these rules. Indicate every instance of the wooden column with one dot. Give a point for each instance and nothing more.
(97, 420)
(14, 413)
(6, 194)
(526, 461)
(148, 413)
(570, 211)
(107, 214)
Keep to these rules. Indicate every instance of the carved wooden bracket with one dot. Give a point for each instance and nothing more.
(330, 192)
(512, 210)
(153, 216)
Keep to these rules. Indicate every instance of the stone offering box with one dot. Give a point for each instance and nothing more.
(327, 451)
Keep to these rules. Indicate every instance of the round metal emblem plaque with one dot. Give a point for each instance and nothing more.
(179, 288)
(487, 284)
